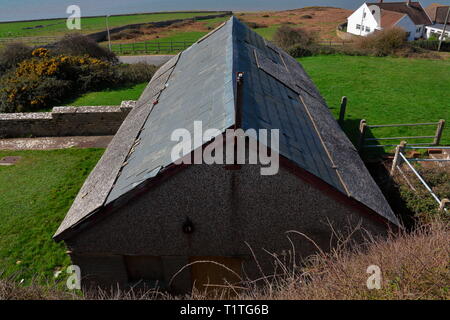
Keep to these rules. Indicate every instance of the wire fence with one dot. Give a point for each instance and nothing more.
(401, 158)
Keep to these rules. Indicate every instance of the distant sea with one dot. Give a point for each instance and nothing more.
(12, 10)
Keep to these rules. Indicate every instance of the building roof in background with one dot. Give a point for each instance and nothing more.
(199, 84)
(439, 26)
(437, 12)
(441, 14)
(414, 10)
(431, 11)
(390, 18)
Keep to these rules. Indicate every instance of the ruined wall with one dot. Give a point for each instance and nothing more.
(65, 121)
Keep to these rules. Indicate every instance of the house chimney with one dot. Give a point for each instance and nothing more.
(380, 1)
(408, 2)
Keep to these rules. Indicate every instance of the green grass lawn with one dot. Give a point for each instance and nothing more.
(54, 27)
(181, 40)
(35, 195)
(385, 91)
(109, 97)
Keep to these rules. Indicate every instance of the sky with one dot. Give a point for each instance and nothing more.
(11, 10)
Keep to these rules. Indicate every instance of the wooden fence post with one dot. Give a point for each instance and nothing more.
(362, 133)
(342, 111)
(440, 128)
(397, 159)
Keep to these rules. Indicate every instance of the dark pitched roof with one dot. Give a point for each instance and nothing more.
(414, 10)
(441, 14)
(390, 18)
(199, 84)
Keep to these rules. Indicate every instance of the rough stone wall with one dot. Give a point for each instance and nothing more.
(65, 121)
(229, 209)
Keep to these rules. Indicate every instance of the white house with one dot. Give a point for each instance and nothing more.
(440, 15)
(407, 15)
(436, 31)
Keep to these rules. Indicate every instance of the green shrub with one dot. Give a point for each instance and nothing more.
(254, 25)
(432, 44)
(135, 73)
(383, 43)
(12, 54)
(79, 45)
(287, 37)
(47, 79)
(43, 80)
(298, 51)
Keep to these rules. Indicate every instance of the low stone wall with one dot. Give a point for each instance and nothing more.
(65, 121)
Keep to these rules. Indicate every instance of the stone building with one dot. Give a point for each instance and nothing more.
(140, 217)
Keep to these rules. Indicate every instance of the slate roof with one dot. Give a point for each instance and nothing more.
(414, 10)
(390, 18)
(199, 84)
(441, 14)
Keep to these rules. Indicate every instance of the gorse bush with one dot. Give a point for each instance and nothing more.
(47, 79)
(44, 79)
(135, 73)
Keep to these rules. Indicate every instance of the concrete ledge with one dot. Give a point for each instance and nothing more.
(65, 121)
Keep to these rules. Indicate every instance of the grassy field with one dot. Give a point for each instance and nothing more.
(35, 195)
(110, 97)
(180, 41)
(385, 91)
(54, 27)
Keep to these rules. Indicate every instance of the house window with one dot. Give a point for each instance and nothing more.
(419, 29)
(358, 26)
(364, 15)
(367, 29)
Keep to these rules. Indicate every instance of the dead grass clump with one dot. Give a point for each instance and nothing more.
(127, 34)
(287, 37)
(383, 43)
(11, 289)
(414, 266)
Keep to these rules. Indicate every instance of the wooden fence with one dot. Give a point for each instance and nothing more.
(150, 47)
(363, 132)
(334, 43)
